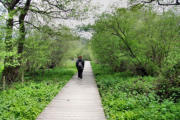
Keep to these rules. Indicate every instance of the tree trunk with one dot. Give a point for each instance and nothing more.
(8, 71)
(22, 77)
(22, 32)
(4, 83)
(11, 69)
(22, 26)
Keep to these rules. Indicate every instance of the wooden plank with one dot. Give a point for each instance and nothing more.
(78, 100)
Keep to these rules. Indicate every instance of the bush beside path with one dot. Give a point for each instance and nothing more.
(26, 102)
(127, 97)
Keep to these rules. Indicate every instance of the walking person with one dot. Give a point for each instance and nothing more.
(80, 66)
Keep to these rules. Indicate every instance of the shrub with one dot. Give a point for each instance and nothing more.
(127, 97)
(32, 97)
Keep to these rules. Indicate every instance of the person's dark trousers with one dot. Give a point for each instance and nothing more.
(80, 71)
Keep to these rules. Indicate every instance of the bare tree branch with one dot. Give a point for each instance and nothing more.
(148, 1)
(12, 4)
(3, 3)
(34, 26)
(163, 4)
(50, 14)
(29, 23)
(166, 4)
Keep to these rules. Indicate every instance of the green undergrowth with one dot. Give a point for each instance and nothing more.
(26, 101)
(127, 97)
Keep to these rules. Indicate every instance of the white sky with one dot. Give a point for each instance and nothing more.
(107, 3)
(103, 5)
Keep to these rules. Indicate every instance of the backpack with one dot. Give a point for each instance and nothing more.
(80, 65)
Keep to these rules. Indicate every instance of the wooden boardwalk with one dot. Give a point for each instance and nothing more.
(78, 100)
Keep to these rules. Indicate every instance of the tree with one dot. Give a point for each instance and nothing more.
(48, 48)
(140, 41)
(10, 63)
(57, 9)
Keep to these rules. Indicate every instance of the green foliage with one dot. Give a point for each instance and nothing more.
(127, 97)
(168, 84)
(49, 48)
(139, 41)
(26, 102)
(36, 53)
(85, 51)
(81, 48)
(45, 48)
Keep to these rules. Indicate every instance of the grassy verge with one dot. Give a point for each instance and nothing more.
(127, 97)
(25, 102)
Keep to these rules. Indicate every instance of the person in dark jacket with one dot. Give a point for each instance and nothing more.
(80, 66)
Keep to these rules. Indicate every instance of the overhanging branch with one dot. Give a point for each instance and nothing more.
(163, 4)
(3, 3)
(34, 26)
